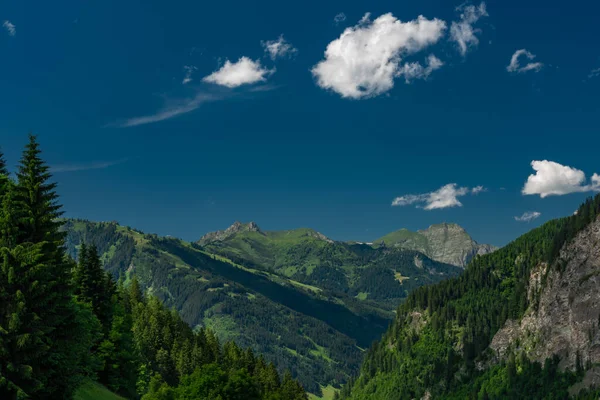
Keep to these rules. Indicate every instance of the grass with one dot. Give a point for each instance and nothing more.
(328, 393)
(362, 295)
(400, 278)
(94, 391)
(223, 325)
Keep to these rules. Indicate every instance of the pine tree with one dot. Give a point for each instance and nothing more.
(22, 334)
(44, 331)
(93, 285)
(118, 352)
(291, 389)
(4, 176)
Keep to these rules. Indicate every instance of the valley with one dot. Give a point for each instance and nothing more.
(310, 304)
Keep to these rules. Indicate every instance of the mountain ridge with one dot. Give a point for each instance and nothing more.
(444, 242)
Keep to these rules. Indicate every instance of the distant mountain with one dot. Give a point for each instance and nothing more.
(447, 243)
(520, 323)
(383, 276)
(307, 303)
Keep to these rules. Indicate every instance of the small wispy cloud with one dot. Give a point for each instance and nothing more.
(594, 73)
(415, 70)
(462, 32)
(478, 189)
(84, 167)
(339, 18)
(515, 64)
(528, 216)
(172, 108)
(10, 27)
(279, 48)
(445, 197)
(189, 70)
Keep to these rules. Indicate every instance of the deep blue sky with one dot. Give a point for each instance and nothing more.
(296, 155)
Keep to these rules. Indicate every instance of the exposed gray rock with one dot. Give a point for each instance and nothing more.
(566, 322)
(232, 230)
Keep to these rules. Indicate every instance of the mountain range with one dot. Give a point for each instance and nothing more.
(308, 303)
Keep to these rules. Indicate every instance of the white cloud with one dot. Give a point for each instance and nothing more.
(340, 17)
(462, 32)
(594, 73)
(85, 167)
(279, 48)
(528, 216)
(189, 70)
(172, 109)
(415, 70)
(555, 179)
(478, 189)
(365, 59)
(445, 197)
(10, 28)
(515, 65)
(244, 71)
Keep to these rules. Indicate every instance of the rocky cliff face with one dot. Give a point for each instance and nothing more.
(232, 230)
(447, 243)
(451, 244)
(564, 318)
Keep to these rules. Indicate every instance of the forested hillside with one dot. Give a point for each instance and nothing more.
(314, 324)
(438, 345)
(64, 324)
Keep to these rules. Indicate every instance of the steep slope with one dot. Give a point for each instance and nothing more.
(447, 243)
(564, 316)
(516, 324)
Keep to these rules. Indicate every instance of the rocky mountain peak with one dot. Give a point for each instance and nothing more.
(235, 228)
(446, 242)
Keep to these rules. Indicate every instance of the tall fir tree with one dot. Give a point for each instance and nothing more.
(44, 332)
(94, 286)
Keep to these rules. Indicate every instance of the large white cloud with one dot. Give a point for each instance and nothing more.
(462, 32)
(366, 58)
(552, 178)
(445, 197)
(528, 216)
(244, 71)
(278, 48)
(515, 64)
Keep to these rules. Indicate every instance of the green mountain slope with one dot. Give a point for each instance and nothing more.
(448, 243)
(439, 344)
(379, 278)
(94, 391)
(314, 324)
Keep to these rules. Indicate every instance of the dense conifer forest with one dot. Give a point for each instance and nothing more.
(65, 323)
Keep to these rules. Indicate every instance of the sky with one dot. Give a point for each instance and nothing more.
(353, 118)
